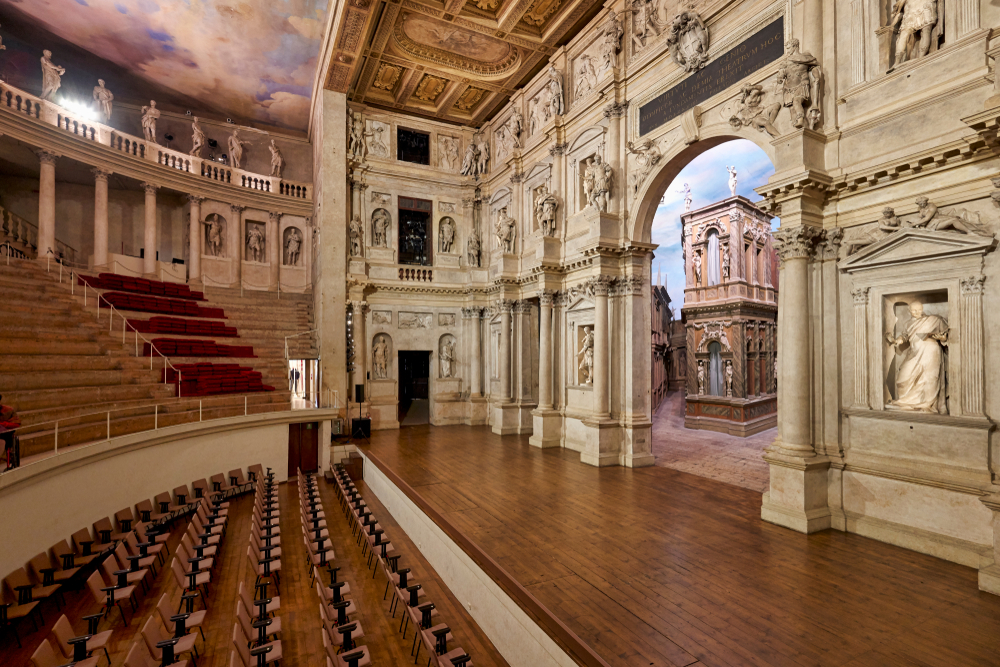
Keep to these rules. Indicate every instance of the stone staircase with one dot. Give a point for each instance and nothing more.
(59, 362)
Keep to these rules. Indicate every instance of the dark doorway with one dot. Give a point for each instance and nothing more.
(415, 231)
(414, 376)
(303, 448)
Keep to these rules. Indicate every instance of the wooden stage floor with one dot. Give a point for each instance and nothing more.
(659, 567)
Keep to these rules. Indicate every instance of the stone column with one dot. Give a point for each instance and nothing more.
(472, 316)
(236, 234)
(47, 205)
(149, 232)
(545, 299)
(360, 310)
(506, 307)
(195, 236)
(100, 216)
(612, 152)
(558, 153)
(637, 376)
(860, 348)
(274, 249)
(972, 346)
(601, 285)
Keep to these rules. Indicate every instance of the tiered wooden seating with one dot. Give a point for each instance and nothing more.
(207, 379)
(180, 347)
(157, 304)
(116, 283)
(181, 327)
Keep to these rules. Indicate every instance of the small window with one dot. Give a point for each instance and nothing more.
(413, 146)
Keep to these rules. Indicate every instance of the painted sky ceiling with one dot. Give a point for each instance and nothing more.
(255, 59)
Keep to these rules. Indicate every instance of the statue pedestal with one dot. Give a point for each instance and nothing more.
(387, 255)
(357, 266)
(801, 149)
(505, 266)
(447, 406)
(450, 261)
(603, 442)
(602, 228)
(548, 250)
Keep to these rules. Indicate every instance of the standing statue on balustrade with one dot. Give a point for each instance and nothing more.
(102, 100)
(277, 161)
(236, 149)
(197, 137)
(150, 115)
(51, 76)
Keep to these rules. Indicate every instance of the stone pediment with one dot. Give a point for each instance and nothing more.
(911, 245)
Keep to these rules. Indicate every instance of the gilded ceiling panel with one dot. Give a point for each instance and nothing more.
(440, 43)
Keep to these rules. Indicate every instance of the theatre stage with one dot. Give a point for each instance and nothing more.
(658, 567)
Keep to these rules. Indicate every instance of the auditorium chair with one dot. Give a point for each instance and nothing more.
(199, 538)
(182, 496)
(259, 655)
(67, 640)
(159, 640)
(27, 591)
(137, 658)
(202, 489)
(48, 573)
(105, 531)
(155, 537)
(272, 606)
(117, 563)
(255, 472)
(70, 559)
(344, 636)
(271, 631)
(220, 485)
(317, 557)
(265, 567)
(187, 551)
(239, 482)
(87, 546)
(11, 612)
(435, 640)
(192, 581)
(421, 616)
(192, 619)
(357, 658)
(45, 656)
(148, 553)
(215, 517)
(111, 596)
(261, 540)
(334, 615)
(167, 506)
(126, 520)
(148, 513)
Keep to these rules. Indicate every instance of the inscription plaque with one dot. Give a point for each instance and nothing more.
(763, 47)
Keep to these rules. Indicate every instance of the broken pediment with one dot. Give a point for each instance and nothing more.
(912, 245)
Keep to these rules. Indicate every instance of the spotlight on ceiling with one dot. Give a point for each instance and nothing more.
(187, 113)
(229, 120)
(168, 137)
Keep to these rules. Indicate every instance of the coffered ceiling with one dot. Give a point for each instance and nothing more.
(453, 60)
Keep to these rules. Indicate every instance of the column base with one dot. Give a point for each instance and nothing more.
(547, 429)
(506, 418)
(604, 442)
(989, 579)
(797, 492)
(478, 411)
(636, 444)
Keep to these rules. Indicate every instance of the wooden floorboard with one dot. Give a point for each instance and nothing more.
(660, 567)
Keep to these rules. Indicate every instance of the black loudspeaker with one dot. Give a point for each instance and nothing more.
(359, 393)
(361, 428)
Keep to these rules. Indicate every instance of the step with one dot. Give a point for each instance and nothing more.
(19, 381)
(27, 363)
(51, 346)
(37, 399)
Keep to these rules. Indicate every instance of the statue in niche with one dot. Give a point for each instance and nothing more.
(697, 268)
(447, 354)
(449, 153)
(647, 155)
(293, 244)
(586, 356)
(597, 183)
(376, 146)
(586, 76)
(356, 144)
(921, 374)
(357, 235)
(215, 231)
(688, 40)
(557, 102)
(729, 378)
(475, 248)
(545, 211)
(860, 237)
(277, 161)
(51, 76)
(256, 244)
(912, 17)
(686, 190)
(447, 230)
(959, 220)
(725, 263)
(149, 116)
(750, 112)
(504, 143)
(732, 180)
(535, 116)
(506, 231)
(197, 137)
(380, 358)
(483, 162)
(515, 125)
(701, 377)
(799, 86)
(647, 21)
(612, 43)
(236, 149)
(471, 159)
(381, 221)
(103, 99)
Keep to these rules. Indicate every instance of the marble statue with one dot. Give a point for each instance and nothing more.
(686, 190)
(701, 377)
(255, 243)
(474, 249)
(447, 230)
(102, 100)
(380, 358)
(587, 354)
(912, 17)
(504, 143)
(506, 231)
(447, 354)
(732, 180)
(197, 137)
(483, 163)
(545, 211)
(600, 174)
(381, 221)
(921, 374)
(374, 143)
(588, 181)
(697, 268)
(357, 235)
(51, 76)
(293, 244)
(751, 111)
(647, 155)
(515, 125)
(729, 378)
(471, 160)
(612, 42)
(862, 236)
(535, 119)
(586, 76)
(236, 149)
(799, 85)
(557, 101)
(449, 153)
(647, 22)
(688, 40)
(965, 222)
(216, 231)
(725, 264)
(277, 161)
(149, 116)
(356, 143)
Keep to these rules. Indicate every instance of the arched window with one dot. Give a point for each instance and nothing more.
(715, 368)
(714, 275)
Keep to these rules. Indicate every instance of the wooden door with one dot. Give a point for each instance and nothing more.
(303, 448)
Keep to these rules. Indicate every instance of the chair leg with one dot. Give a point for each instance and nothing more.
(418, 653)
(122, 612)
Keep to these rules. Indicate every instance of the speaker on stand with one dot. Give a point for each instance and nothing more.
(360, 427)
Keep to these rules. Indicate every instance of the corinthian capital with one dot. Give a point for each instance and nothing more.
(795, 242)
(546, 297)
(150, 188)
(599, 285)
(829, 244)
(46, 157)
(506, 305)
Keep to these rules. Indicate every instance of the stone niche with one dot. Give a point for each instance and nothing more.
(917, 447)
(579, 318)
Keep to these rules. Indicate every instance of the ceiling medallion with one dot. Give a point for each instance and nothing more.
(447, 45)
(387, 76)
(487, 5)
(429, 88)
(469, 99)
(540, 11)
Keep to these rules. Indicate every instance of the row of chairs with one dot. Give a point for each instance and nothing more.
(407, 593)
